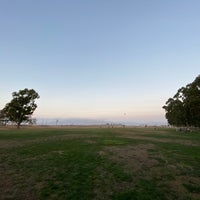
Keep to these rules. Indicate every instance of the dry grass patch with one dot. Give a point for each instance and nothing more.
(133, 157)
(19, 143)
(145, 161)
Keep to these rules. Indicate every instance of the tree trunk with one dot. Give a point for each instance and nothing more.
(18, 125)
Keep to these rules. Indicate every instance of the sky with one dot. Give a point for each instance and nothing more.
(116, 60)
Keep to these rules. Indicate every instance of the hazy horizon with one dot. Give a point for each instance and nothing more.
(88, 122)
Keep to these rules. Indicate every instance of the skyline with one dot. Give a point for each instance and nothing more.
(100, 60)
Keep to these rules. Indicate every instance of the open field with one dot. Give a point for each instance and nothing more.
(99, 163)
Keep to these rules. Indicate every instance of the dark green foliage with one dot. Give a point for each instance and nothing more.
(184, 108)
(3, 119)
(22, 106)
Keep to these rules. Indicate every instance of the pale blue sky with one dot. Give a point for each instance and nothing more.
(99, 59)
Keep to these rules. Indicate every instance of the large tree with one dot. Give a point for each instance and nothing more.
(184, 108)
(22, 106)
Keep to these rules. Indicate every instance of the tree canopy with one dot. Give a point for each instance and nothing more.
(3, 118)
(21, 107)
(184, 108)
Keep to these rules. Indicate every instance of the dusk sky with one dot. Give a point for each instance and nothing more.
(116, 60)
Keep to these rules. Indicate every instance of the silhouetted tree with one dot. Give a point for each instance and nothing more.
(21, 106)
(184, 108)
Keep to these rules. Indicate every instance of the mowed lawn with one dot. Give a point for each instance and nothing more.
(99, 163)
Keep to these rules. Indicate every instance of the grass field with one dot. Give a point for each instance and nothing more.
(99, 163)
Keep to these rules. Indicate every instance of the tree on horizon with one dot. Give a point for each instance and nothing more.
(21, 107)
(184, 108)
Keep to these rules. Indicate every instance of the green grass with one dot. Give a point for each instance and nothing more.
(99, 163)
